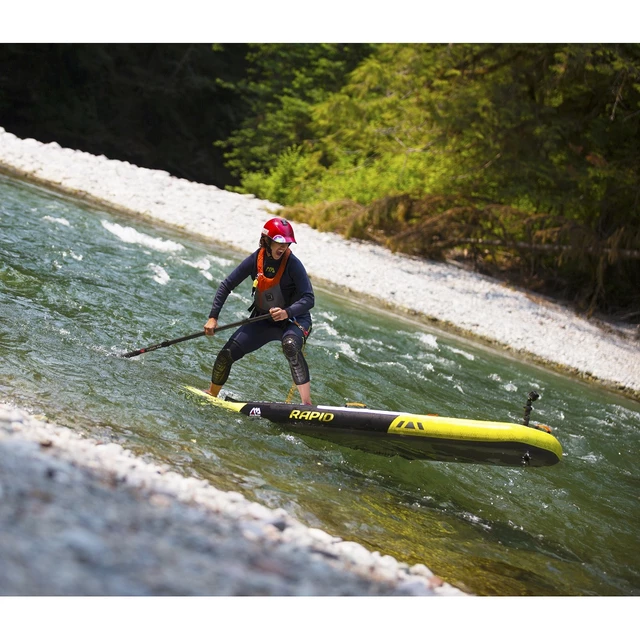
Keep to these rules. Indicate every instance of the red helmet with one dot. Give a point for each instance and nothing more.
(279, 230)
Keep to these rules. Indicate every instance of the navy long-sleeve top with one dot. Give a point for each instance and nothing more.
(295, 284)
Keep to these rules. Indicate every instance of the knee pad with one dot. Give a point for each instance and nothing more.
(222, 367)
(291, 346)
(292, 349)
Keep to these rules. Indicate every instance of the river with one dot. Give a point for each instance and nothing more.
(79, 286)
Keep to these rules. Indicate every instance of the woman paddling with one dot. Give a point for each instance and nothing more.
(281, 288)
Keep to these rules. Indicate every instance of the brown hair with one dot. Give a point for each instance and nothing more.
(265, 243)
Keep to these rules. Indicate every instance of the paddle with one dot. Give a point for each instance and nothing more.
(168, 343)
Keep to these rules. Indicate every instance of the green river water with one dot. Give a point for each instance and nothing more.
(78, 286)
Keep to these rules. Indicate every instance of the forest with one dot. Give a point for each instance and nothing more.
(520, 161)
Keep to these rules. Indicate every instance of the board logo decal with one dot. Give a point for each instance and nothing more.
(319, 416)
(255, 412)
(408, 423)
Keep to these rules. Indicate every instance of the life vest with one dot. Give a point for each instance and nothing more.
(267, 292)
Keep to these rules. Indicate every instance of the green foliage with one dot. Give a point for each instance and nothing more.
(291, 179)
(282, 83)
(556, 125)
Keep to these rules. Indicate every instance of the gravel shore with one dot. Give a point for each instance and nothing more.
(87, 518)
(80, 517)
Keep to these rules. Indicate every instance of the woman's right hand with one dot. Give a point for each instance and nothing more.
(210, 327)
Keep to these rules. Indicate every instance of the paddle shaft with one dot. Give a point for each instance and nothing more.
(168, 343)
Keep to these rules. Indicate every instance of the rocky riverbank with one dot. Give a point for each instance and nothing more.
(86, 518)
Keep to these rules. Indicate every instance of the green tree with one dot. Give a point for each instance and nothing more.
(282, 83)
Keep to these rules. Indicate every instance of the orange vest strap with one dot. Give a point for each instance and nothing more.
(262, 282)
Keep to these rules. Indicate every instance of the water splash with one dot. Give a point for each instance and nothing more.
(131, 236)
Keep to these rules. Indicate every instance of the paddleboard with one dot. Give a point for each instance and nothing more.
(409, 435)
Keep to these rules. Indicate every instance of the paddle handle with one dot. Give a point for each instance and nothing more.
(168, 343)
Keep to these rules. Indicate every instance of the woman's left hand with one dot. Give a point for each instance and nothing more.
(278, 314)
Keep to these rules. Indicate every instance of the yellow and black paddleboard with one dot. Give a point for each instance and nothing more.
(409, 435)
